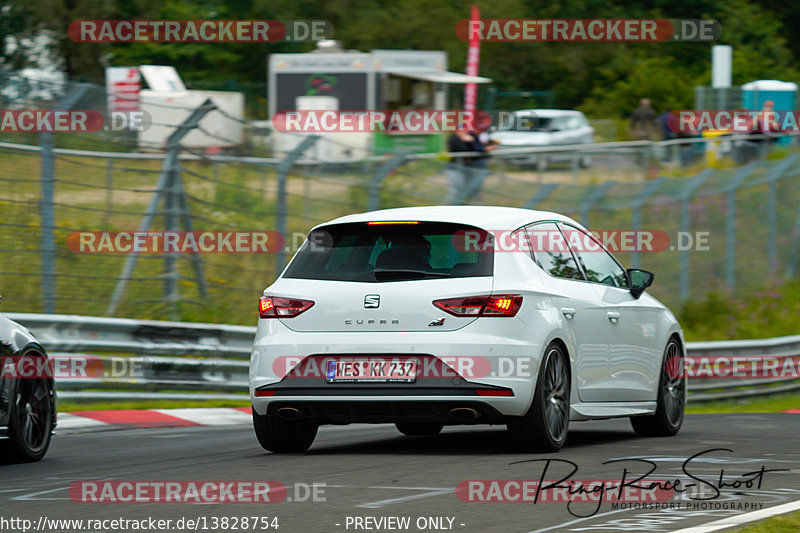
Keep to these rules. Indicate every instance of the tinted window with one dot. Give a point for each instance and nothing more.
(392, 252)
(599, 265)
(529, 121)
(550, 251)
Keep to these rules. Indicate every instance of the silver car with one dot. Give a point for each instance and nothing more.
(542, 128)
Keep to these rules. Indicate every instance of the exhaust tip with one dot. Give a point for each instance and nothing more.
(464, 413)
(289, 413)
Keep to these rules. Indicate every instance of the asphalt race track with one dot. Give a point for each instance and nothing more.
(374, 471)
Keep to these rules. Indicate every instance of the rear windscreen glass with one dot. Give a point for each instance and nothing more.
(532, 122)
(391, 252)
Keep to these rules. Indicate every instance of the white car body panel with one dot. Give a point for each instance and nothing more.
(614, 366)
(573, 129)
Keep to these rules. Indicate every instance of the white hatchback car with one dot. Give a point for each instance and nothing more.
(543, 128)
(432, 316)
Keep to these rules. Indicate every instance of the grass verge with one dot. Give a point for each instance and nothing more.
(788, 523)
(765, 404)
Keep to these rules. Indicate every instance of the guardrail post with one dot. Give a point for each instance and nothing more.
(280, 208)
(636, 212)
(685, 196)
(47, 204)
(730, 223)
(374, 195)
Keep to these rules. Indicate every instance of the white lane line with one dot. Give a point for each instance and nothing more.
(381, 503)
(32, 496)
(209, 416)
(738, 520)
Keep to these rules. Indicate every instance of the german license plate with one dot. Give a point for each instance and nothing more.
(371, 371)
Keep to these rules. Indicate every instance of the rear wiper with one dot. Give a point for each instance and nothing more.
(407, 272)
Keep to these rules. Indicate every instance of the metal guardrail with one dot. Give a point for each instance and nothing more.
(73, 333)
(779, 348)
(212, 366)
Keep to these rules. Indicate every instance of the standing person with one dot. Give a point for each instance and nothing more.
(642, 121)
(666, 130)
(765, 125)
(459, 168)
(484, 143)
(666, 133)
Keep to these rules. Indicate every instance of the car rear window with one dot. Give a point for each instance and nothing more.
(529, 121)
(380, 252)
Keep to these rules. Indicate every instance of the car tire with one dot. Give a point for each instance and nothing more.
(284, 436)
(414, 429)
(668, 418)
(544, 427)
(31, 419)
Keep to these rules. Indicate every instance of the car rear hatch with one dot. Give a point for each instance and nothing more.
(385, 276)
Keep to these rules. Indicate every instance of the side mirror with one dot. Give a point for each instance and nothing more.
(639, 280)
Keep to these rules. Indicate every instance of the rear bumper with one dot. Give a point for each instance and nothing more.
(430, 396)
(386, 411)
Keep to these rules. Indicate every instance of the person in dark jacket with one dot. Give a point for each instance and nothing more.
(458, 169)
(643, 120)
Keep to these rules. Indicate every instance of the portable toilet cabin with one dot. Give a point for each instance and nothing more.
(782, 94)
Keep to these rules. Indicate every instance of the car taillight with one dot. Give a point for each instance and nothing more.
(496, 305)
(278, 307)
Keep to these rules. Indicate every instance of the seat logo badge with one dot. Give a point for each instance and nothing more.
(372, 301)
(437, 322)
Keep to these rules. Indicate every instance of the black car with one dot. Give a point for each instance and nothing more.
(27, 395)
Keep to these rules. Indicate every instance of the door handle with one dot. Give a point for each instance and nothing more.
(613, 316)
(568, 312)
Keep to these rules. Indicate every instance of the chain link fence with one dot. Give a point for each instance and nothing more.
(732, 221)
